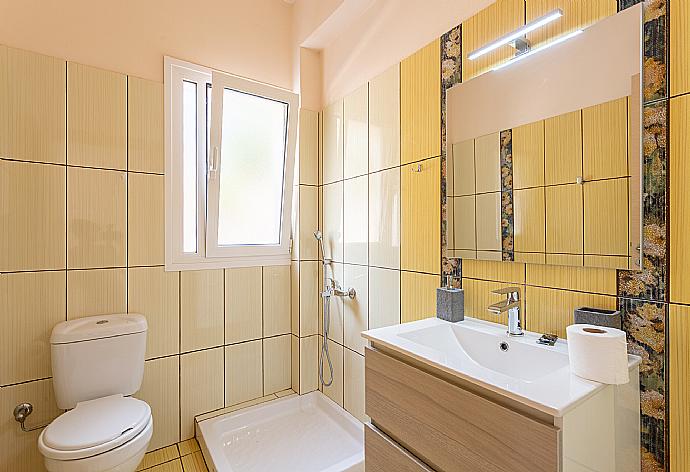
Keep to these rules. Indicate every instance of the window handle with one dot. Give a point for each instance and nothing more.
(213, 163)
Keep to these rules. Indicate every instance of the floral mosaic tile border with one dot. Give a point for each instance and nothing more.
(645, 324)
(451, 74)
(507, 216)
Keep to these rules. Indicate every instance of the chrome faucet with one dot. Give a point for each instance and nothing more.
(511, 304)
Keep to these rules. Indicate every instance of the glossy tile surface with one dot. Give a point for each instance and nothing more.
(96, 117)
(276, 364)
(243, 304)
(161, 390)
(384, 120)
(34, 109)
(154, 293)
(356, 132)
(309, 299)
(32, 216)
(488, 222)
(333, 221)
(243, 372)
(145, 122)
(201, 309)
(357, 309)
(384, 218)
(96, 218)
(353, 395)
(308, 147)
(201, 386)
(276, 300)
(487, 162)
(308, 222)
(355, 221)
(146, 219)
(333, 142)
(32, 303)
(96, 292)
(384, 297)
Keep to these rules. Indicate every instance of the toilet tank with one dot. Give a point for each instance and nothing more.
(97, 356)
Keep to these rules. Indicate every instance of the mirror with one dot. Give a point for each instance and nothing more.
(545, 153)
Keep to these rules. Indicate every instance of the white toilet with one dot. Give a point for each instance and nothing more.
(97, 361)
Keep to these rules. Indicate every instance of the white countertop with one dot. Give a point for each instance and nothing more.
(555, 392)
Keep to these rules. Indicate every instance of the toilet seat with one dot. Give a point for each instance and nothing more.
(94, 427)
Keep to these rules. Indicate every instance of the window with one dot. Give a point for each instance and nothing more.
(230, 149)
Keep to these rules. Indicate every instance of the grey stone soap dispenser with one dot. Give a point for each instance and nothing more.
(450, 302)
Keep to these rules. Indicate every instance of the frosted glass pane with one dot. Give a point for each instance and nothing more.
(251, 173)
(189, 167)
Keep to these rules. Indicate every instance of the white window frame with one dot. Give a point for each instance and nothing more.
(209, 255)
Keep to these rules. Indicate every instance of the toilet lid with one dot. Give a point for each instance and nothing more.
(95, 426)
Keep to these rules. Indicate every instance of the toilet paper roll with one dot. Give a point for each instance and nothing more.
(598, 353)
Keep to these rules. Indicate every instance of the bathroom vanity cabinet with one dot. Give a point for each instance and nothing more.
(427, 419)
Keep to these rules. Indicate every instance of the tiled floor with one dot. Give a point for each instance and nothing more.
(181, 457)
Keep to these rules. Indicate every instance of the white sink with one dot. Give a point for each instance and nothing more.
(484, 354)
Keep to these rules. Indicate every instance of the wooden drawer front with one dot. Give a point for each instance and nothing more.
(451, 429)
(383, 455)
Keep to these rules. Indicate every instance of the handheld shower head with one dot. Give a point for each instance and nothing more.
(319, 237)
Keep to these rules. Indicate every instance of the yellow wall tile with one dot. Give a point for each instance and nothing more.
(32, 303)
(564, 220)
(529, 213)
(243, 304)
(96, 218)
(513, 272)
(487, 163)
(573, 260)
(605, 140)
(32, 212)
(333, 142)
(353, 395)
(563, 148)
(464, 219)
(608, 262)
(146, 219)
(309, 351)
(4, 100)
(420, 104)
(679, 45)
(35, 107)
(308, 147)
(498, 19)
(421, 216)
(461, 181)
(582, 279)
(308, 222)
(155, 294)
(418, 292)
(488, 222)
(309, 298)
(384, 218)
(679, 387)
(356, 310)
(606, 217)
(96, 292)
(145, 121)
(201, 386)
(679, 171)
(355, 220)
(551, 311)
(576, 15)
(295, 364)
(335, 390)
(277, 363)
(384, 120)
(276, 300)
(96, 117)
(18, 450)
(243, 372)
(530, 257)
(528, 155)
(161, 390)
(201, 309)
(356, 132)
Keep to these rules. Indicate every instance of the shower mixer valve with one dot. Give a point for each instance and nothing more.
(335, 289)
